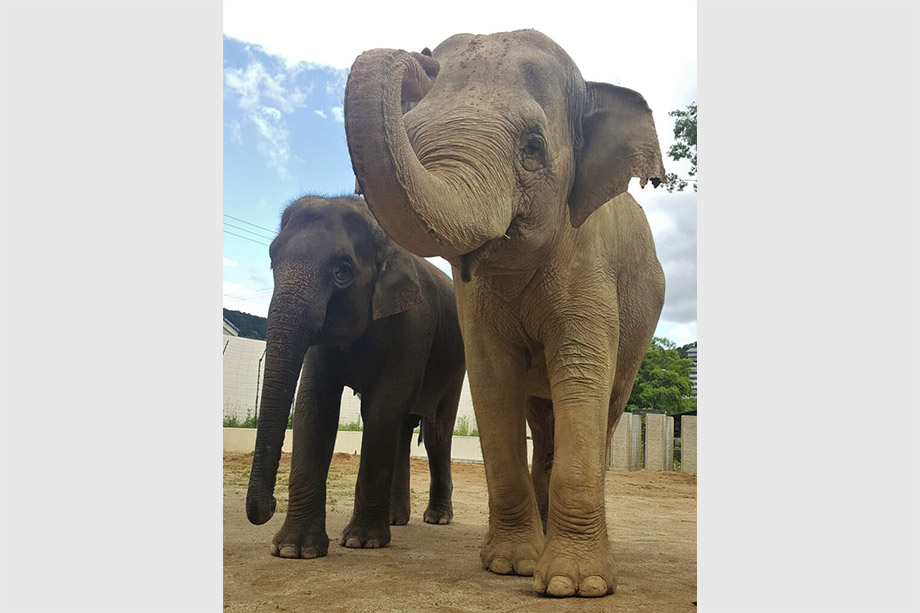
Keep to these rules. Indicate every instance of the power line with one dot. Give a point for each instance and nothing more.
(250, 231)
(249, 223)
(245, 237)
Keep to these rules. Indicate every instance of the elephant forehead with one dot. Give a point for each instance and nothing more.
(522, 59)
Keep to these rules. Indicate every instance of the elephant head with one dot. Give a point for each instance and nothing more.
(335, 272)
(504, 144)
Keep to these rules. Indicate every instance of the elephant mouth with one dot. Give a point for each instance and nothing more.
(474, 261)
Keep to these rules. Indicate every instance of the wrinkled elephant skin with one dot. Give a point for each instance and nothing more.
(493, 152)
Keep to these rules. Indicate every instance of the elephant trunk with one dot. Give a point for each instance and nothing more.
(289, 330)
(430, 211)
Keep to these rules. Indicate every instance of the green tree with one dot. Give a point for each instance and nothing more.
(684, 148)
(663, 381)
(682, 351)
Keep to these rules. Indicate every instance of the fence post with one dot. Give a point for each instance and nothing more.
(258, 382)
(669, 435)
(620, 444)
(688, 444)
(656, 442)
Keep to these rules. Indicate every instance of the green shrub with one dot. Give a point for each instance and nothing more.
(463, 427)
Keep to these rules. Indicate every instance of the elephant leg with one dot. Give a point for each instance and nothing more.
(369, 527)
(400, 505)
(577, 559)
(514, 540)
(540, 418)
(316, 418)
(438, 433)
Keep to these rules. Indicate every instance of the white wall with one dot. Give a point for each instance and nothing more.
(243, 377)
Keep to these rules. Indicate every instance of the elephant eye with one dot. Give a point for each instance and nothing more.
(343, 273)
(532, 151)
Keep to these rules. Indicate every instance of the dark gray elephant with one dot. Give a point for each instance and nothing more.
(515, 169)
(355, 310)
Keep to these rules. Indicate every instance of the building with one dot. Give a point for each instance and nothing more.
(691, 354)
(230, 329)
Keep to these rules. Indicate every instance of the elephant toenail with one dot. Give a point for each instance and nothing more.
(561, 587)
(500, 566)
(525, 568)
(289, 551)
(353, 542)
(593, 586)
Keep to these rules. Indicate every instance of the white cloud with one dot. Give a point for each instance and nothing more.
(339, 114)
(229, 262)
(265, 98)
(652, 47)
(320, 113)
(680, 334)
(236, 132)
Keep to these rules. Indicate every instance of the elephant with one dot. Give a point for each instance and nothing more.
(512, 167)
(353, 309)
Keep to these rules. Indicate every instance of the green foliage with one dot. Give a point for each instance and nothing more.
(682, 351)
(250, 326)
(354, 426)
(663, 381)
(463, 427)
(684, 148)
(232, 421)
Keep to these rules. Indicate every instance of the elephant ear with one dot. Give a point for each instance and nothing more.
(619, 142)
(397, 288)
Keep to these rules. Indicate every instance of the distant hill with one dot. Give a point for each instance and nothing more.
(250, 326)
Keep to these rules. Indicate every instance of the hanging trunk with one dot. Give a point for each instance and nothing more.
(288, 334)
(427, 212)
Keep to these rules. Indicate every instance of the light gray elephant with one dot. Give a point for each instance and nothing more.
(513, 168)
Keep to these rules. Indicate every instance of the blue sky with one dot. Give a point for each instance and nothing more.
(284, 136)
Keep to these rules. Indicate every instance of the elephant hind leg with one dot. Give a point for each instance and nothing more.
(400, 505)
(540, 419)
(438, 433)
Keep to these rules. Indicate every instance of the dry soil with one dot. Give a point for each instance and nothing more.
(651, 519)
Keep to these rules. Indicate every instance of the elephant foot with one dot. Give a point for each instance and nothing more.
(512, 552)
(365, 535)
(575, 568)
(399, 517)
(296, 542)
(439, 514)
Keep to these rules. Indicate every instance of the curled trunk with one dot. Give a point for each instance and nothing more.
(427, 212)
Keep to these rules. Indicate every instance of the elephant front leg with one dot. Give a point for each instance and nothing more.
(369, 527)
(515, 536)
(577, 560)
(316, 418)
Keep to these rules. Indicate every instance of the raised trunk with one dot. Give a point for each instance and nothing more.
(288, 334)
(428, 213)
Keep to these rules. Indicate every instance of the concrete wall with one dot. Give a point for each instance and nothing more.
(688, 444)
(244, 371)
(659, 447)
(625, 443)
(463, 448)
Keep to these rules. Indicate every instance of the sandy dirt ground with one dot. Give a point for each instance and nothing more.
(651, 519)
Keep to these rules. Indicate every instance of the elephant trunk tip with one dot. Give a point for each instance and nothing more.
(260, 509)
